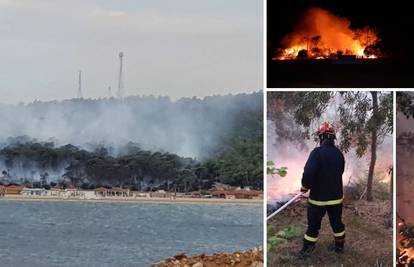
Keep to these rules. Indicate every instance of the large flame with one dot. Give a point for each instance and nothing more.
(321, 34)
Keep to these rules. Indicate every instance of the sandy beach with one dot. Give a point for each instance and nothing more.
(210, 201)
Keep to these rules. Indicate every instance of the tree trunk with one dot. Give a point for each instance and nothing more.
(374, 138)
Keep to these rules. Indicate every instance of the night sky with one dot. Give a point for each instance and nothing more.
(393, 19)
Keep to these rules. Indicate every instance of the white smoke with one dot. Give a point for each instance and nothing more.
(405, 172)
(188, 127)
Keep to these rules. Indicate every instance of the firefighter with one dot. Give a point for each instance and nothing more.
(322, 176)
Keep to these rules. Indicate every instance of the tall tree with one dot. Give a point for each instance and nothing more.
(366, 118)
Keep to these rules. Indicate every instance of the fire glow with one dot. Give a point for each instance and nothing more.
(323, 35)
(406, 255)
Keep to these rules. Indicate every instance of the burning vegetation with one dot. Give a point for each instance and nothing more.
(405, 256)
(323, 35)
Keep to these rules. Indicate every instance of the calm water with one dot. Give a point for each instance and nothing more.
(119, 234)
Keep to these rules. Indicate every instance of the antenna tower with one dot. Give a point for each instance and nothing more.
(120, 78)
(80, 95)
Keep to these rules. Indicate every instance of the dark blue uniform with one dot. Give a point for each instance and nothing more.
(323, 177)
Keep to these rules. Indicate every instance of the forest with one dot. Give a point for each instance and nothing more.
(235, 158)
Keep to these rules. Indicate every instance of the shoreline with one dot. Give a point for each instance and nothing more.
(153, 200)
(251, 258)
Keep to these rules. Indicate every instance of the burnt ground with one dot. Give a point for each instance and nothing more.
(368, 236)
(377, 73)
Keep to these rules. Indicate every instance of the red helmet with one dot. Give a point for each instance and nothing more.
(327, 128)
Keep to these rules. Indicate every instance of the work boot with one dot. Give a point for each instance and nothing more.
(306, 250)
(338, 246)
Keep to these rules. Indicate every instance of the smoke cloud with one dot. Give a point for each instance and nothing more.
(188, 127)
(405, 172)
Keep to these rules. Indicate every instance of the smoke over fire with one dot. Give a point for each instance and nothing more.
(188, 127)
(405, 189)
(321, 34)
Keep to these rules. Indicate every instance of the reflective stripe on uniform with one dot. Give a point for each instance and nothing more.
(309, 238)
(339, 234)
(326, 203)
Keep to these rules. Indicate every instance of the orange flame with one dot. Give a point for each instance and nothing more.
(322, 35)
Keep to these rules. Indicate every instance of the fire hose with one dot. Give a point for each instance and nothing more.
(285, 205)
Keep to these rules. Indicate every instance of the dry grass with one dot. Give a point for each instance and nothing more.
(368, 237)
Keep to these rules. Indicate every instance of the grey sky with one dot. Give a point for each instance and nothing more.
(176, 48)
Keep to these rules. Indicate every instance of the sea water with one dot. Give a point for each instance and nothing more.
(46, 233)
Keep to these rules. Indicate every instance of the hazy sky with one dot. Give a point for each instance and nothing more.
(176, 48)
